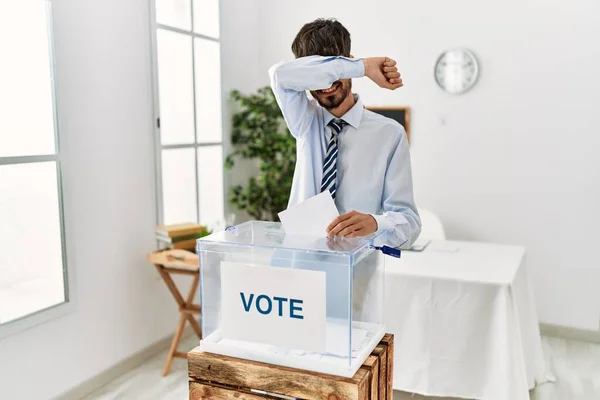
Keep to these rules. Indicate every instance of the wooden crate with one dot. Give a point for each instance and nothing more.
(218, 377)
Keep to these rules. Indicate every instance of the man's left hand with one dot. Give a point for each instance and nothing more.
(352, 224)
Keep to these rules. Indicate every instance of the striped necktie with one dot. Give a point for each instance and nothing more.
(330, 164)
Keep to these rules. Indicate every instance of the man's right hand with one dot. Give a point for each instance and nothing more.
(383, 71)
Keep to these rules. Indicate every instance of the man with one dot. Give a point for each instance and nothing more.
(360, 157)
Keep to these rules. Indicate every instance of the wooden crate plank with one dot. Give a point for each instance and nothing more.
(381, 353)
(388, 339)
(292, 382)
(223, 377)
(202, 391)
(372, 364)
(364, 387)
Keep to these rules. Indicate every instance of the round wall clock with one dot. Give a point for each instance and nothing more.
(456, 71)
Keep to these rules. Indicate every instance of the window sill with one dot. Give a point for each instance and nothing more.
(30, 321)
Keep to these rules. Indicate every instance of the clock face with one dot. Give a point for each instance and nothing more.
(456, 71)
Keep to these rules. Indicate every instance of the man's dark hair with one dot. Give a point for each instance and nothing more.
(322, 37)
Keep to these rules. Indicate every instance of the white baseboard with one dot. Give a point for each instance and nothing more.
(121, 368)
(565, 332)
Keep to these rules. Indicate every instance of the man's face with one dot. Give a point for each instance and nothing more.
(334, 96)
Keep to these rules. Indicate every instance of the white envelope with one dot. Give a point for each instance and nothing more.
(311, 217)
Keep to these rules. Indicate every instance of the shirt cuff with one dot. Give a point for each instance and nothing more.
(383, 225)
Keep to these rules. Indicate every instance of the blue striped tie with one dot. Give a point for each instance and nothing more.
(330, 164)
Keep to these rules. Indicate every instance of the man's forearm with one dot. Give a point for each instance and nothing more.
(315, 72)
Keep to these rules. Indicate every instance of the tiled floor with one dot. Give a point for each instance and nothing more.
(576, 366)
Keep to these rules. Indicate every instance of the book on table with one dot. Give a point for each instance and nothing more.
(179, 230)
(180, 236)
(177, 239)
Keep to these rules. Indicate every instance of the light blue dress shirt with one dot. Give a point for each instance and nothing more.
(373, 163)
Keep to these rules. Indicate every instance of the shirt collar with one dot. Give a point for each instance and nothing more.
(352, 116)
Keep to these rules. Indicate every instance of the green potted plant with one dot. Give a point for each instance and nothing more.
(259, 133)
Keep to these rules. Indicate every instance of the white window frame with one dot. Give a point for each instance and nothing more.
(69, 304)
(158, 146)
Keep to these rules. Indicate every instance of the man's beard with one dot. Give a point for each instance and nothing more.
(334, 100)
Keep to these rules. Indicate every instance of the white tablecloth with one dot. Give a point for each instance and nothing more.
(464, 322)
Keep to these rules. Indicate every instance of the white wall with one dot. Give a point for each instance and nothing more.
(240, 71)
(105, 115)
(513, 161)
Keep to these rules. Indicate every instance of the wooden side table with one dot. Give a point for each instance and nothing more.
(215, 376)
(183, 262)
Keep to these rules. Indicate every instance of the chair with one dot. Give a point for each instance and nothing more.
(432, 227)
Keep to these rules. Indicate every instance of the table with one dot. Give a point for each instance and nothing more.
(182, 262)
(464, 322)
(214, 376)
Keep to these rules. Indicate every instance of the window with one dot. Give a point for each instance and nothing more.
(188, 111)
(32, 247)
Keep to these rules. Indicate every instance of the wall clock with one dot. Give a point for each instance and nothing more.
(456, 70)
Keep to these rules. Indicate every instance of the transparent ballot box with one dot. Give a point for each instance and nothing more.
(301, 302)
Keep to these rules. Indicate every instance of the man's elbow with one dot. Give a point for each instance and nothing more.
(275, 71)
